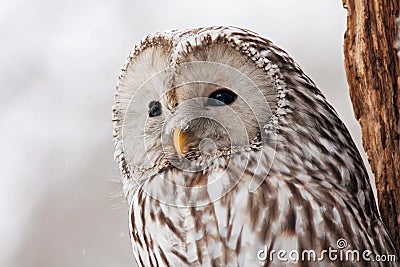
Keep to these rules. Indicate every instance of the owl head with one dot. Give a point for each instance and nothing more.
(186, 100)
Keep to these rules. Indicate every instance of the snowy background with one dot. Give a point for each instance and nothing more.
(60, 200)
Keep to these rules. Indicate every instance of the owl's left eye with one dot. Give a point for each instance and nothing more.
(221, 97)
(154, 108)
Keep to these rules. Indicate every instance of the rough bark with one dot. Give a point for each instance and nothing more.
(372, 69)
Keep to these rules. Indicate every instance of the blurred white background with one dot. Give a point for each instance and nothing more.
(61, 203)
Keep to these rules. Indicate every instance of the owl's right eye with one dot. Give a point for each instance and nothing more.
(154, 108)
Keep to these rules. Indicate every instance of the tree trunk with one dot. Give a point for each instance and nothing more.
(372, 69)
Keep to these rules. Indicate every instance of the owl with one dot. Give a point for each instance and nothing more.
(231, 156)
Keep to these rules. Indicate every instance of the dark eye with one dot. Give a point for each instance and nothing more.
(221, 97)
(154, 108)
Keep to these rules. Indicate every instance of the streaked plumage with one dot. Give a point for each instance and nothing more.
(283, 171)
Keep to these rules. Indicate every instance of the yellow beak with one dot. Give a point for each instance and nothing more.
(179, 141)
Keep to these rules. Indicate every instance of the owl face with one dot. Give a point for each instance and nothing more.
(212, 99)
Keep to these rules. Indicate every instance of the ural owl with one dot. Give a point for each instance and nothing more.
(231, 156)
